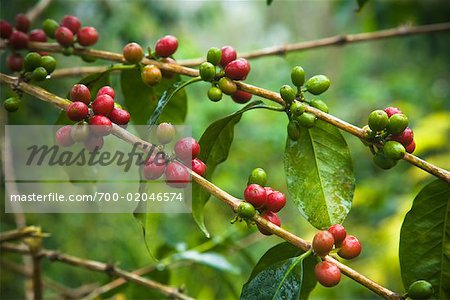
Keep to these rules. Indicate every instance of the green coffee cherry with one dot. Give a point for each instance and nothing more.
(49, 26)
(318, 84)
(287, 93)
(39, 74)
(293, 131)
(32, 61)
(420, 289)
(298, 76)
(320, 105)
(67, 51)
(207, 71)
(394, 150)
(11, 104)
(306, 120)
(378, 120)
(258, 176)
(397, 123)
(297, 108)
(246, 210)
(383, 162)
(227, 86)
(215, 94)
(88, 58)
(214, 55)
(48, 63)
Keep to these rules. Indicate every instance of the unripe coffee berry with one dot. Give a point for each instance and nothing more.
(339, 234)
(227, 86)
(93, 143)
(155, 167)
(287, 93)
(293, 131)
(320, 105)
(318, 84)
(187, 149)
(72, 23)
(275, 201)
(272, 218)
(133, 53)
(81, 93)
(405, 138)
(5, 29)
(298, 76)
(327, 274)
(228, 55)
(420, 290)
(306, 120)
(394, 150)
(18, 40)
(383, 162)
(48, 63)
(323, 243)
(39, 74)
(215, 94)
(207, 71)
(49, 26)
(392, 111)
(80, 132)
(77, 111)
(177, 175)
(297, 108)
(63, 136)
(214, 55)
(32, 61)
(87, 36)
(237, 69)
(22, 23)
(198, 166)
(350, 248)
(37, 35)
(11, 104)
(258, 176)
(64, 36)
(411, 147)
(101, 125)
(246, 210)
(103, 105)
(106, 90)
(241, 97)
(378, 120)
(165, 132)
(15, 62)
(166, 46)
(397, 123)
(119, 116)
(68, 51)
(151, 75)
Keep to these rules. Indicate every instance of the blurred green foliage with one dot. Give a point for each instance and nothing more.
(409, 72)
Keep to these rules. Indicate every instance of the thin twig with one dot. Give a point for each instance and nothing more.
(38, 9)
(20, 233)
(78, 71)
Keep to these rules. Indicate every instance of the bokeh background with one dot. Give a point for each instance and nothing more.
(409, 72)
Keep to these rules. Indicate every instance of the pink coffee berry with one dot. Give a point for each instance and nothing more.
(37, 35)
(177, 175)
(392, 111)
(80, 92)
(155, 166)
(72, 23)
(269, 190)
(327, 274)
(22, 23)
(87, 36)
(228, 55)
(198, 166)
(323, 243)
(272, 218)
(241, 97)
(93, 143)
(411, 147)
(119, 116)
(64, 36)
(77, 111)
(166, 46)
(339, 233)
(103, 105)
(101, 125)
(187, 149)
(63, 136)
(350, 248)
(275, 201)
(18, 40)
(5, 29)
(256, 195)
(238, 69)
(106, 90)
(405, 138)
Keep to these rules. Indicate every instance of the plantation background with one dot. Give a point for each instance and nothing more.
(411, 73)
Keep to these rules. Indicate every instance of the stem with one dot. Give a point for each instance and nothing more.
(37, 277)
(37, 9)
(20, 233)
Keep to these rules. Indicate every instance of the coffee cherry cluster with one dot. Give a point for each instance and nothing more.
(231, 68)
(389, 127)
(38, 67)
(70, 31)
(324, 241)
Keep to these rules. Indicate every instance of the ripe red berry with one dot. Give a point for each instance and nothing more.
(77, 111)
(72, 23)
(64, 36)
(119, 116)
(22, 23)
(18, 40)
(269, 190)
(327, 274)
(256, 195)
(405, 138)
(411, 147)
(237, 69)
(165, 132)
(323, 243)
(392, 111)
(15, 62)
(80, 92)
(350, 247)
(177, 175)
(103, 105)
(106, 90)
(101, 125)
(275, 201)
(133, 53)
(155, 166)
(63, 136)
(37, 35)
(93, 142)
(241, 97)
(228, 55)
(87, 36)
(187, 149)
(339, 233)
(198, 166)
(271, 217)
(5, 29)
(166, 46)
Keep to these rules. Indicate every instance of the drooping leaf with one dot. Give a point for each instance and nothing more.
(425, 239)
(213, 260)
(320, 175)
(215, 144)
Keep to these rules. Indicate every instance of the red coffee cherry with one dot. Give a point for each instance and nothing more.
(87, 36)
(405, 138)
(106, 90)
(119, 116)
(323, 243)
(327, 274)
(5, 29)
(241, 97)
(133, 53)
(187, 149)
(271, 217)
(18, 40)
(392, 111)
(256, 195)
(15, 62)
(37, 35)
(165, 132)
(411, 147)
(93, 143)
(275, 201)
(64, 36)
(166, 46)
(198, 166)
(22, 23)
(177, 175)
(77, 111)
(339, 234)
(101, 125)
(80, 92)
(237, 69)
(63, 136)
(155, 166)
(228, 55)
(72, 23)
(350, 247)
(103, 105)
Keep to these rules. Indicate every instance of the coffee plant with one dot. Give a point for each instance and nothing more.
(146, 84)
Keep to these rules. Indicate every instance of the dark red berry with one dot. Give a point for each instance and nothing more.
(63, 136)
(119, 116)
(22, 23)
(101, 125)
(272, 218)
(241, 97)
(392, 111)
(37, 35)
(228, 55)
(72, 23)
(77, 111)
(237, 69)
(256, 195)
(106, 90)
(269, 190)
(187, 149)
(103, 105)
(411, 147)
(405, 138)
(15, 62)
(177, 175)
(339, 234)
(18, 40)
(275, 201)
(327, 274)
(64, 36)
(5, 29)
(350, 247)
(80, 92)
(166, 46)
(198, 166)
(93, 142)
(323, 243)
(155, 166)
(87, 36)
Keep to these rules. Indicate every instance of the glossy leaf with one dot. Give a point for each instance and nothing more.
(319, 174)
(425, 239)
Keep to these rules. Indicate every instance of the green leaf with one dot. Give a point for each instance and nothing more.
(215, 144)
(425, 239)
(320, 175)
(141, 100)
(213, 260)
